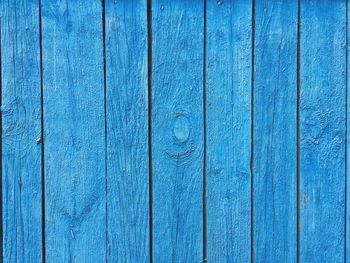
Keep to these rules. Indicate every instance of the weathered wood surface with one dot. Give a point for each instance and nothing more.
(322, 130)
(21, 128)
(180, 131)
(74, 137)
(228, 106)
(275, 132)
(127, 131)
(177, 130)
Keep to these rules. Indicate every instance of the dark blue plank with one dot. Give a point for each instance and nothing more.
(127, 132)
(229, 58)
(74, 138)
(177, 133)
(275, 131)
(21, 127)
(322, 130)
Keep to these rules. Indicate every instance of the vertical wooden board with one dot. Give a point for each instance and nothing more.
(275, 131)
(74, 126)
(127, 131)
(177, 130)
(228, 106)
(347, 147)
(322, 130)
(21, 126)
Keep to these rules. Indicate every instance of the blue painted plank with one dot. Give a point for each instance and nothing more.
(275, 131)
(228, 104)
(347, 147)
(177, 130)
(127, 131)
(322, 130)
(21, 127)
(74, 138)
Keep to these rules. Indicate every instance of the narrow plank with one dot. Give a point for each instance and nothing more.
(74, 131)
(322, 130)
(21, 127)
(177, 130)
(275, 131)
(347, 146)
(127, 131)
(229, 58)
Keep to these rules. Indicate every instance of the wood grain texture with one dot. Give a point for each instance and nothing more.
(275, 131)
(177, 133)
(322, 130)
(127, 131)
(74, 131)
(21, 127)
(229, 58)
(347, 146)
(262, 124)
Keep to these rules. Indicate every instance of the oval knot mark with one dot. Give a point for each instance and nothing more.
(181, 128)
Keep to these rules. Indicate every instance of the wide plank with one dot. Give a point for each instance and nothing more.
(177, 130)
(74, 137)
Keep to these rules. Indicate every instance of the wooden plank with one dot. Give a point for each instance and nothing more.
(229, 58)
(127, 131)
(177, 130)
(322, 130)
(275, 131)
(21, 128)
(347, 147)
(74, 131)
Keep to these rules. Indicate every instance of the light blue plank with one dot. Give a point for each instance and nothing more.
(275, 131)
(322, 130)
(229, 58)
(74, 131)
(177, 133)
(21, 126)
(127, 131)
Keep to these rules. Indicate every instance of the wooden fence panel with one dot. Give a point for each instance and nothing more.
(173, 130)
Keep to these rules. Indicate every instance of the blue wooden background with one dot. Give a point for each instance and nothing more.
(174, 131)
